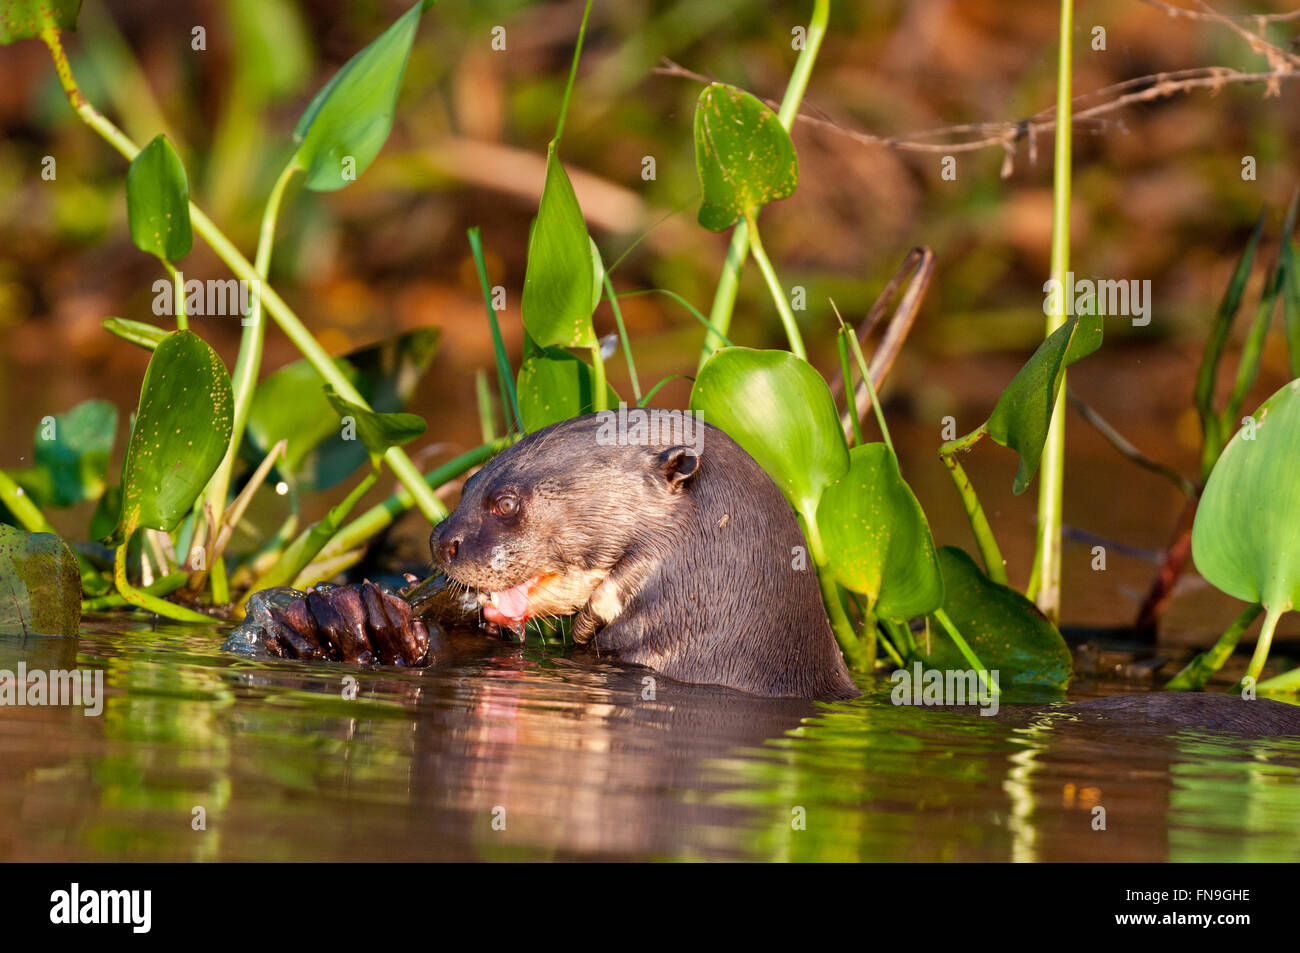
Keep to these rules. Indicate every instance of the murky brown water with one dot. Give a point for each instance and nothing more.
(578, 764)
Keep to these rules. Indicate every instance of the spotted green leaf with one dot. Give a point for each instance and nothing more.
(1005, 629)
(182, 428)
(158, 202)
(347, 123)
(1024, 410)
(779, 409)
(555, 385)
(877, 536)
(377, 432)
(559, 282)
(40, 584)
(743, 155)
(23, 19)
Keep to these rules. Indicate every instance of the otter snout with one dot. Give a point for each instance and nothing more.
(444, 543)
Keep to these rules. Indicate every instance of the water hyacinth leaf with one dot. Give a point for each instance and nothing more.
(291, 405)
(40, 584)
(556, 385)
(377, 432)
(559, 287)
(147, 336)
(158, 202)
(1007, 631)
(24, 19)
(1024, 411)
(877, 536)
(1244, 540)
(74, 448)
(779, 409)
(181, 431)
(348, 121)
(743, 155)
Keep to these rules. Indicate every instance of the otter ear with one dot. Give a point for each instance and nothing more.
(678, 464)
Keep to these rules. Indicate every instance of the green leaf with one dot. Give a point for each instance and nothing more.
(377, 432)
(291, 405)
(76, 454)
(147, 336)
(23, 19)
(182, 428)
(158, 202)
(1005, 629)
(877, 537)
(743, 155)
(555, 385)
(1291, 302)
(1024, 411)
(40, 584)
(559, 293)
(346, 124)
(778, 408)
(1245, 538)
(1219, 331)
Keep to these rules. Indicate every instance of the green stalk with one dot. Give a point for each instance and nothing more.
(846, 371)
(483, 398)
(182, 322)
(994, 565)
(967, 652)
(858, 656)
(21, 505)
(505, 380)
(1261, 647)
(274, 305)
(774, 286)
(163, 587)
(599, 393)
(724, 298)
(865, 371)
(1199, 670)
(1051, 485)
(143, 600)
(244, 380)
(622, 333)
(573, 73)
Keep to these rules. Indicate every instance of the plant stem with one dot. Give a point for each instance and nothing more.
(1051, 486)
(182, 323)
(774, 286)
(163, 587)
(967, 652)
(573, 73)
(288, 322)
(847, 372)
(244, 380)
(22, 507)
(858, 657)
(1198, 671)
(1261, 647)
(994, 565)
(865, 371)
(144, 600)
(505, 380)
(599, 393)
(724, 298)
(622, 333)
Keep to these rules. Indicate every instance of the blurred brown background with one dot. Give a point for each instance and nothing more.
(1158, 195)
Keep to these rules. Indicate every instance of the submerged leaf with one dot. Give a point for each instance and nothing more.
(743, 155)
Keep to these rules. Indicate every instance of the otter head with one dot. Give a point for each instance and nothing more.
(545, 523)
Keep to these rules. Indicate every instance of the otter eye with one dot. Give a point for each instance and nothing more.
(505, 504)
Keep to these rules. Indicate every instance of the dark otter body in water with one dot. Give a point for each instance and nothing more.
(674, 555)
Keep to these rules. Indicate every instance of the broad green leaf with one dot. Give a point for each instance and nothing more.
(555, 385)
(743, 155)
(558, 282)
(778, 408)
(1024, 410)
(158, 202)
(1006, 630)
(23, 19)
(107, 512)
(290, 405)
(74, 450)
(182, 428)
(346, 124)
(377, 432)
(1246, 538)
(877, 537)
(40, 584)
(147, 336)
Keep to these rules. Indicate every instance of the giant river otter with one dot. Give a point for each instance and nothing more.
(669, 547)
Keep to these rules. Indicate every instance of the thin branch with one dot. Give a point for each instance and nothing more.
(1118, 441)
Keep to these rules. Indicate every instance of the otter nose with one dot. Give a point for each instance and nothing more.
(445, 547)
